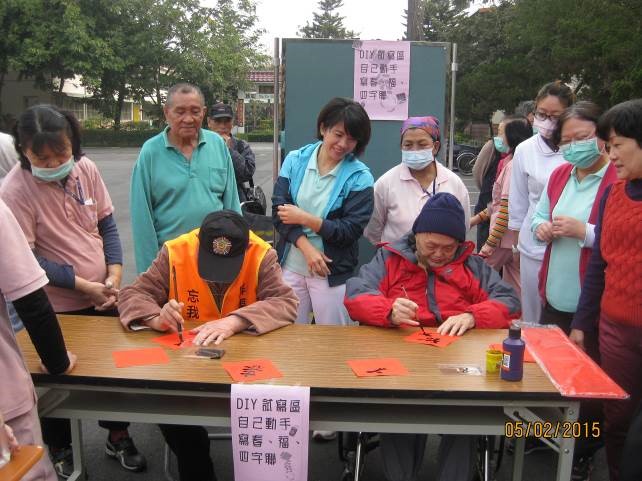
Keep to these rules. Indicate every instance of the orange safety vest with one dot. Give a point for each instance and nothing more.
(194, 291)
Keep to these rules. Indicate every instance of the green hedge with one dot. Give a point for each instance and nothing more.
(116, 138)
(257, 136)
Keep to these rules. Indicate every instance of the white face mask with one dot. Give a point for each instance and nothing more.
(544, 128)
(417, 159)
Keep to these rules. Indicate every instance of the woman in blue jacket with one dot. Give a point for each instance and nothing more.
(322, 201)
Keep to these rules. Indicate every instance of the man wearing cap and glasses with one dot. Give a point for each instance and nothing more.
(219, 120)
(223, 276)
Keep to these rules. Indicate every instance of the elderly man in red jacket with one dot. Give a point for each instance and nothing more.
(430, 278)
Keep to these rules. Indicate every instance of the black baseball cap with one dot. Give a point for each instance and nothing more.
(221, 110)
(223, 240)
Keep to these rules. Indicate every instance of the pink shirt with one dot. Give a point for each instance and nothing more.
(398, 199)
(62, 225)
(20, 275)
(501, 188)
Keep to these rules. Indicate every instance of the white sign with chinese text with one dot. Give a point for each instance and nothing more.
(382, 78)
(270, 427)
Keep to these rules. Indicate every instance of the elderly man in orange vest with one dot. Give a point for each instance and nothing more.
(223, 276)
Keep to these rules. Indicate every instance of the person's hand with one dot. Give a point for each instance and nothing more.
(13, 442)
(218, 331)
(99, 294)
(486, 250)
(170, 317)
(228, 140)
(404, 311)
(577, 337)
(113, 281)
(457, 325)
(73, 359)
(544, 232)
(565, 226)
(474, 220)
(317, 261)
(291, 214)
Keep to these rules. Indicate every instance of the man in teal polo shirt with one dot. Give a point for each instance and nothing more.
(181, 175)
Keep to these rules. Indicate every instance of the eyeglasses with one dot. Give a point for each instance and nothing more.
(544, 116)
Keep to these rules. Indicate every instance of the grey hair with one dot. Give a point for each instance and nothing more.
(183, 88)
(524, 108)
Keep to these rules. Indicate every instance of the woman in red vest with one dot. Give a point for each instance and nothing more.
(565, 220)
(612, 288)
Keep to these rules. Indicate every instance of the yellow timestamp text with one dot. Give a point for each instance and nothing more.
(556, 429)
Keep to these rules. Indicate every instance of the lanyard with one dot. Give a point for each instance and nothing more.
(434, 186)
(80, 198)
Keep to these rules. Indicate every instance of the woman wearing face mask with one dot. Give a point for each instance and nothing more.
(401, 192)
(498, 247)
(533, 161)
(565, 221)
(62, 205)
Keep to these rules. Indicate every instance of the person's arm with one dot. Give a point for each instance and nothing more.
(243, 160)
(518, 207)
(374, 229)
(357, 208)
(364, 300)
(230, 194)
(112, 246)
(142, 216)
(588, 307)
(281, 196)
(276, 304)
(144, 298)
(498, 228)
(41, 323)
(59, 275)
(542, 216)
(494, 304)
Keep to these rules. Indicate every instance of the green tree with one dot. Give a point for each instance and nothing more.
(327, 23)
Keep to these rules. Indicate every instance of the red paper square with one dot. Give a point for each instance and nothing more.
(377, 367)
(430, 338)
(140, 357)
(171, 340)
(252, 370)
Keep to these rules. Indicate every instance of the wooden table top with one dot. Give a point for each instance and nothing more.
(21, 462)
(307, 355)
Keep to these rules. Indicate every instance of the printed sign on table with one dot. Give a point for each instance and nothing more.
(382, 78)
(270, 427)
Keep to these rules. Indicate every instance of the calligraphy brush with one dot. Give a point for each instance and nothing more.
(405, 294)
(180, 326)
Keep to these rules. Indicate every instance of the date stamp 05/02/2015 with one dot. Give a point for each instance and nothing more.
(557, 429)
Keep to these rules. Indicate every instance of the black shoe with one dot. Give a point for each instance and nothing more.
(582, 469)
(126, 453)
(63, 462)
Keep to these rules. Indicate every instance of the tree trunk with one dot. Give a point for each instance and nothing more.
(119, 107)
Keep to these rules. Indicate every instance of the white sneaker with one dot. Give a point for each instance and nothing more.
(324, 435)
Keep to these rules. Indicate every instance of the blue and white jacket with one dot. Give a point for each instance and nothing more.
(344, 218)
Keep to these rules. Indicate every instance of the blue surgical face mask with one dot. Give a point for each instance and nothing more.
(53, 174)
(417, 159)
(581, 153)
(500, 145)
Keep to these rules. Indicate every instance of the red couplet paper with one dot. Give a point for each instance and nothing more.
(528, 357)
(140, 357)
(430, 338)
(377, 367)
(569, 368)
(173, 342)
(252, 370)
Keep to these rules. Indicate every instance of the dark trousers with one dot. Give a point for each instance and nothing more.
(191, 446)
(56, 433)
(621, 353)
(590, 410)
(483, 230)
(631, 467)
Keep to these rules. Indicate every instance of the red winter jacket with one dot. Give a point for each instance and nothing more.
(467, 284)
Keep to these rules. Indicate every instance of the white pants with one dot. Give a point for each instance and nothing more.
(529, 277)
(316, 296)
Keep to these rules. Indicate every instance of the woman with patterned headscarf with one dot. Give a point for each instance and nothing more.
(400, 193)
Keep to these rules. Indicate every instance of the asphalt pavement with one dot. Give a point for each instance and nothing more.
(115, 165)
